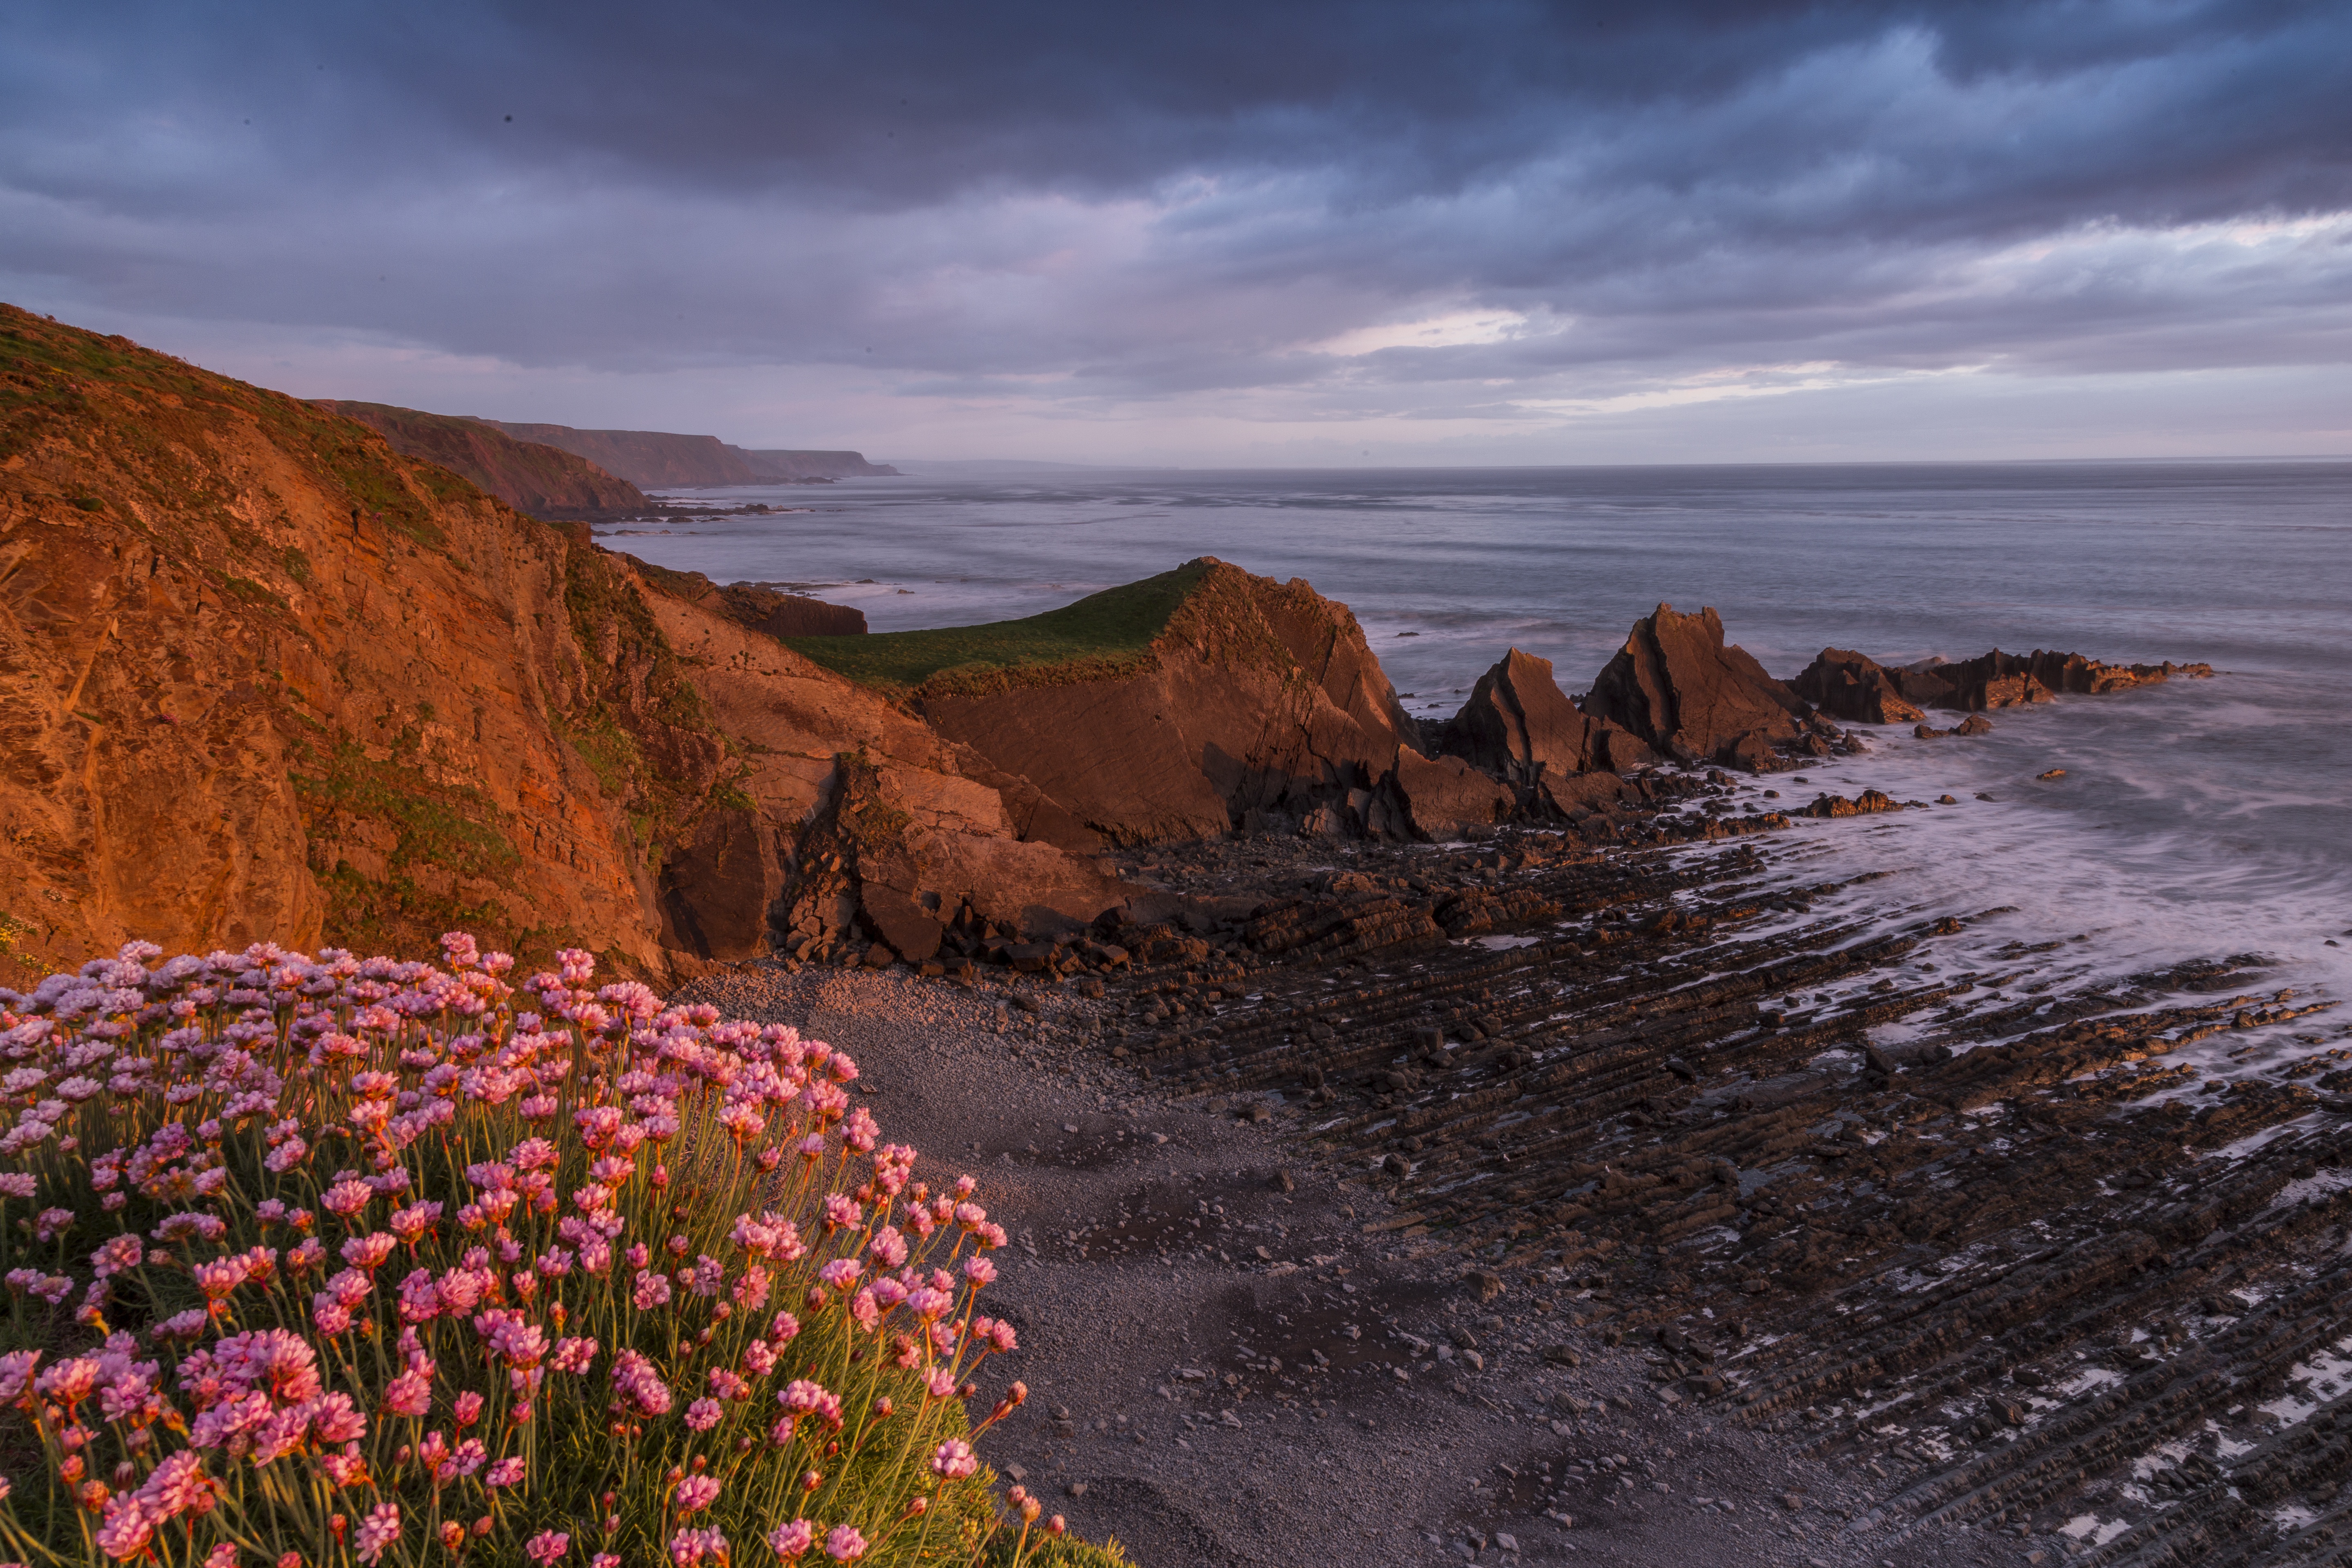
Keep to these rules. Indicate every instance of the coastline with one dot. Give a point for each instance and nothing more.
(1674, 1193)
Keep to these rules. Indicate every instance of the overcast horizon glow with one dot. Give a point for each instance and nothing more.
(1316, 234)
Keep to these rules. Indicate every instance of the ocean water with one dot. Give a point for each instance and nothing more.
(2197, 819)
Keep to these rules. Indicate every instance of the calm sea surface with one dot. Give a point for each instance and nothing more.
(2196, 819)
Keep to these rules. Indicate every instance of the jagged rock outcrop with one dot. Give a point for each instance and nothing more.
(1520, 726)
(655, 459)
(1846, 685)
(1999, 679)
(1680, 690)
(1252, 696)
(263, 677)
(786, 464)
(768, 610)
(529, 475)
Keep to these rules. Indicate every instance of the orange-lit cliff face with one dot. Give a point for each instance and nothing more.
(263, 678)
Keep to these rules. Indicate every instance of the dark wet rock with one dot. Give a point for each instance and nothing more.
(1869, 802)
(1678, 688)
(1999, 679)
(1846, 685)
(1974, 724)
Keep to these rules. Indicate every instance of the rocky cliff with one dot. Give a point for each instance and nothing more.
(797, 465)
(546, 481)
(1186, 704)
(768, 610)
(655, 459)
(262, 677)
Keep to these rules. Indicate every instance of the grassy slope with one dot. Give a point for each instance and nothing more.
(1104, 633)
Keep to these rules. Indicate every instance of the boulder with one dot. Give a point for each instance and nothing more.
(1439, 797)
(1847, 686)
(1677, 689)
(1974, 724)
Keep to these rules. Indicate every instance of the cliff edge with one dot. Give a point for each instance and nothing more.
(263, 677)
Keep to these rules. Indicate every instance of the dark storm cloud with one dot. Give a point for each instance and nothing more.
(1123, 203)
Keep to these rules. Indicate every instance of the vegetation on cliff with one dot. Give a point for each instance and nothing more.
(1101, 635)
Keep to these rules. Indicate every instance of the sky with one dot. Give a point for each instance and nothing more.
(1223, 233)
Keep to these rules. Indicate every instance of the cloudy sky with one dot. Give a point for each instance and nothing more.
(1249, 232)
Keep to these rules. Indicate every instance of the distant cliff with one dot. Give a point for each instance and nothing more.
(653, 459)
(544, 480)
(792, 465)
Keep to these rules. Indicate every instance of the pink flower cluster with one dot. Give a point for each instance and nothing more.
(416, 1208)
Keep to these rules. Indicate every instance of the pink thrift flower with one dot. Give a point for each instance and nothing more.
(955, 1459)
(790, 1540)
(547, 1546)
(978, 1270)
(369, 1250)
(505, 1473)
(347, 1198)
(695, 1493)
(408, 1395)
(844, 1544)
(702, 1415)
(468, 1408)
(127, 1528)
(378, 1531)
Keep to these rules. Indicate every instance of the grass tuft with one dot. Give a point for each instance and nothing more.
(1102, 635)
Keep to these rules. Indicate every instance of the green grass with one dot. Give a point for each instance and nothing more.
(1099, 635)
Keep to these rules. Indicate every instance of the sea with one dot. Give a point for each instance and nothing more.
(2195, 820)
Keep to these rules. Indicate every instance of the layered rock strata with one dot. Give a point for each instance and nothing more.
(1678, 688)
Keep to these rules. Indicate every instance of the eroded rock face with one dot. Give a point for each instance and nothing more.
(1520, 726)
(263, 679)
(1675, 687)
(1846, 685)
(768, 610)
(1257, 696)
(901, 857)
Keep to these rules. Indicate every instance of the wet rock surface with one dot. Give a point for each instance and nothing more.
(1656, 1158)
